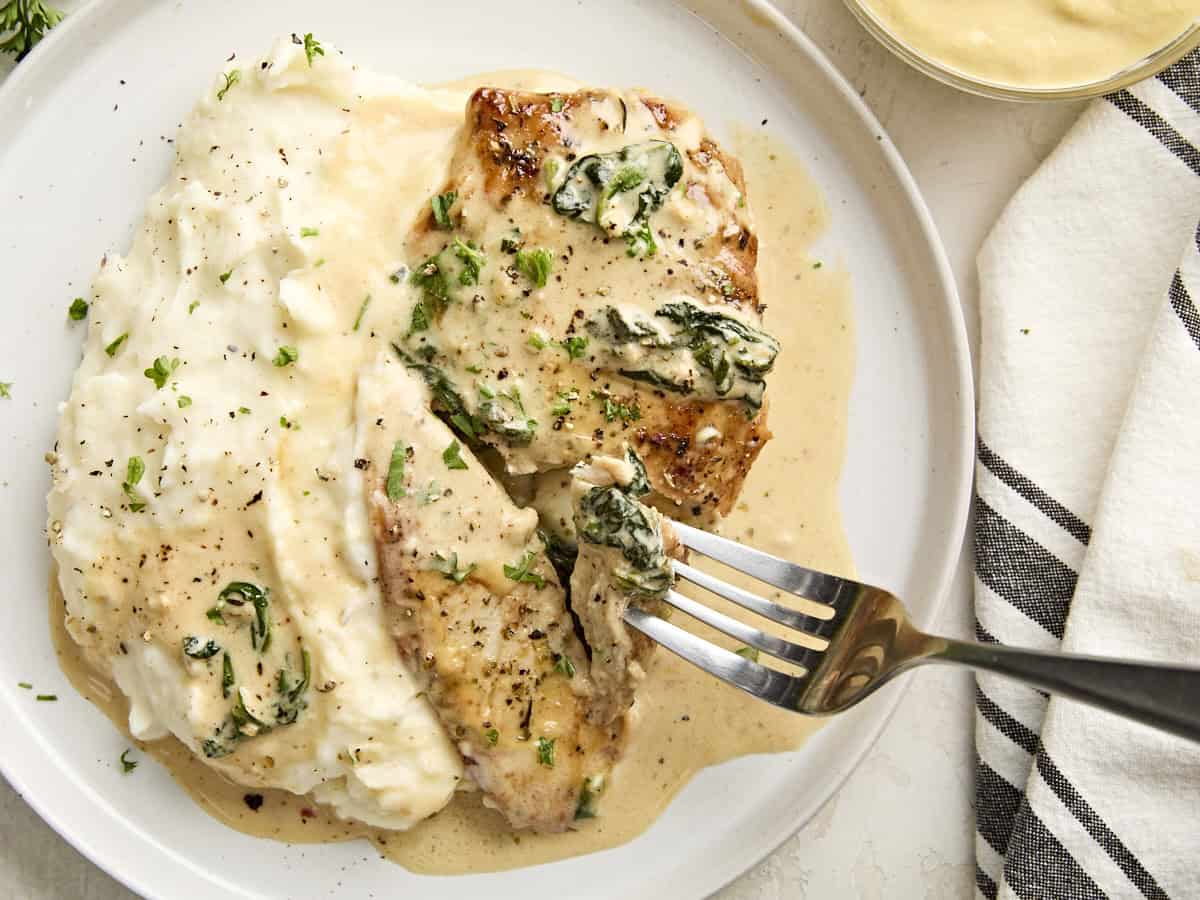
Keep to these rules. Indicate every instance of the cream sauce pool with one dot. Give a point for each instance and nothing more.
(685, 720)
(1036, 43)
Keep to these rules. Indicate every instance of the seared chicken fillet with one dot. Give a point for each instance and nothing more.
(478, 613)
(586, 280)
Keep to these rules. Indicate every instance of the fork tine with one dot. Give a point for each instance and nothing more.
(766, 684)
(801, 656)
(811, 625)
(807, 583)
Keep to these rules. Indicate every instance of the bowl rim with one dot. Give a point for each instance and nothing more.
(1147, 67)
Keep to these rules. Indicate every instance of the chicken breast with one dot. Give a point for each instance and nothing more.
(623, 549)
(586, 280)
(479, 614)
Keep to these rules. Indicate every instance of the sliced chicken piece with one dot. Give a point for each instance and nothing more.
(585, 280)
(624, 550)
(478, 612)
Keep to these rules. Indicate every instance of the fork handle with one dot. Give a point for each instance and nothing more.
(1166, 697)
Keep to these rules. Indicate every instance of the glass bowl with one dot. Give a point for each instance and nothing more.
(1144, 68)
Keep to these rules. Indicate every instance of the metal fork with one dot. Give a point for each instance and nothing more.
(868, 639)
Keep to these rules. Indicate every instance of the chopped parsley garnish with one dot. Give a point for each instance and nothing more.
(286, 356)
(192, 306)
(184, 401)
(6, 390)
(198, 649)
(448, 566)
(575, 345)
(362, 311)
(134, 470)
(285, 422)
(562, 406)
(231, 78)
(227, 680)
(244, 410)
(312, 47)
(492, 736)
(563, 665)
(127, 765)
(556, 104)
(545, 752)
(614, 409)
(750, 653)
(452, 457)
(224, 276)
(305, 231)
(535, 265)
(47, 698)
(817, 264)
(472, 258)
(395, 475)
(239, 593)
(441, 204)
(25, 684)
(536, 341)
(291, 694)
(161, 370)
(79, 309)
(112, 348)
(521, 571)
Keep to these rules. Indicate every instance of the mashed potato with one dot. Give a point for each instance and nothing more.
(207, 515)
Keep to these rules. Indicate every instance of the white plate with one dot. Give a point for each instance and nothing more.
(87, 118)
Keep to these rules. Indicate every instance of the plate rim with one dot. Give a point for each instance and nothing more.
(756, 13)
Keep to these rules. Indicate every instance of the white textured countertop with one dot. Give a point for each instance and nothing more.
(902, 826)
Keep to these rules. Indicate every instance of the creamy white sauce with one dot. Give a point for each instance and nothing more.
(1036, 43)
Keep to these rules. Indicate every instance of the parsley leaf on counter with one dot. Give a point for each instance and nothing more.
(231, 77)
(286, 356)
(6, 389)
(25, 22)
(312, 47)
(452, 457)
(47, 698)
(161, 371)
(112, 348)
(127, 765)
(79, 310)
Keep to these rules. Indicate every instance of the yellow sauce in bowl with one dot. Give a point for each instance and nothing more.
(1040, 45)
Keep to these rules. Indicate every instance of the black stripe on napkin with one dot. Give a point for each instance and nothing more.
(1020, 734)
(1021, 570)
(1157, 126)
(996, 805)
(1183, 78)
(1049, 507)
(1181, 302)
(1039, 867)
(984, 882)
(1098, 829)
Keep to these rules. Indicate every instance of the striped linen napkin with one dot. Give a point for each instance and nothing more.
(1087, 528)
